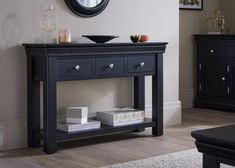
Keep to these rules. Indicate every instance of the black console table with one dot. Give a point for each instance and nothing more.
(50, 63)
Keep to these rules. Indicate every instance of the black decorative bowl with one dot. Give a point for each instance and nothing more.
(100, 38)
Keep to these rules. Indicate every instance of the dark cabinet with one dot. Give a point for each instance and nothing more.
(214, 78)
(231, 81)
(215, 71)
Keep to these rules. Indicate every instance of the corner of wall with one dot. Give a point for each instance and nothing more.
(187, 97)
(13, 134)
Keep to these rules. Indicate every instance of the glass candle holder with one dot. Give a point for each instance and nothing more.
(64, 36)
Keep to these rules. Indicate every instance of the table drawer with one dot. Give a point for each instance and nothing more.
(113, 65)
(212, 51)
(74, 67)
(141, 64)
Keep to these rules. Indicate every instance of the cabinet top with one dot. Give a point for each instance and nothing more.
(214, 38)
(215, 35)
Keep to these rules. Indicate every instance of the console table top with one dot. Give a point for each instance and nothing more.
(53, 49)
(71, 45)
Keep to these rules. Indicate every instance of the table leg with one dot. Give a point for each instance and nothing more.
(210, 161)
(157, 97)
(49, 98)
(139, 92)
(139, 95)
(33, 88)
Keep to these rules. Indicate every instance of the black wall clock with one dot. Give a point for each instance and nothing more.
(87, 8)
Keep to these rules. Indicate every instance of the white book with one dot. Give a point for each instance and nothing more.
(121, 117)
(76, 112)
(91, 124)
(127, 123)
(75, 115)
(75, 120)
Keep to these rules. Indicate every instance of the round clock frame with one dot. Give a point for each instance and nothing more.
(83, 11)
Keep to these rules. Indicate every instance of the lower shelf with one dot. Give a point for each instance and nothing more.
(62, 136)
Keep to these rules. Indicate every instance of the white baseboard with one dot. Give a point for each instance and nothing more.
(172, 113)
(187, 97)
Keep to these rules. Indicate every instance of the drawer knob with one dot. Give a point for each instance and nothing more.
(223, 78)
(212, 51)
(141, 64)
(111, 66)
(77, 67)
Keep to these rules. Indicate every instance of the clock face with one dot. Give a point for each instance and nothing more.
(89, 3)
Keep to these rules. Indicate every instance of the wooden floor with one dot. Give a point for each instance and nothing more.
(113, 149)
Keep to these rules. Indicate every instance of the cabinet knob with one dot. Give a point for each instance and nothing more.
(111, 66)
(77, 67)
(223, 78)
(212, 51)
(141, 64)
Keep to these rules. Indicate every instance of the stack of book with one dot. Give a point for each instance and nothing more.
(68, 127)
(121, 117)
(76, 119)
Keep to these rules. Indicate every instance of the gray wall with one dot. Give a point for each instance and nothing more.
(19, 23)
(227, 7)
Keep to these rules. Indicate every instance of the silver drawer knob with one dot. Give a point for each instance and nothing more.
(223, 78)
(111, 66)
(141, 64)
(212, 51)
(77, 67)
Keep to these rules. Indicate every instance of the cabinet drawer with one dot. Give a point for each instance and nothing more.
(141, 64)
(109, 65)
(212, 51)
(74, 67)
